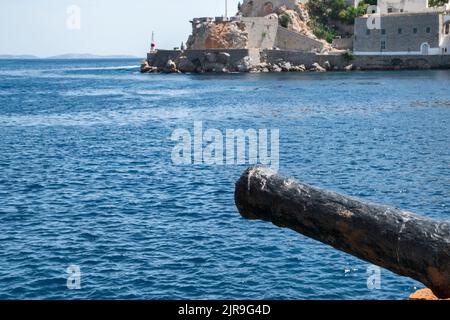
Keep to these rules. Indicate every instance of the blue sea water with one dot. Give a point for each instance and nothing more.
(86, 178)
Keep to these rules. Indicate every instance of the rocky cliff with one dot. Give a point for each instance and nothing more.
(261, 8)
(213, 34)
(218, 35)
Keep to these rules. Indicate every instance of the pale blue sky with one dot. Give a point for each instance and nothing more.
(38, 27)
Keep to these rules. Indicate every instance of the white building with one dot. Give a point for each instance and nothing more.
(399, 6)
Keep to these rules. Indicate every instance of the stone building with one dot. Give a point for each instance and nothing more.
(403, 27)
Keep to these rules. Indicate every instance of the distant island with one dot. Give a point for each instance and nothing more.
(72, 56)
(17, 57)
(90, 56)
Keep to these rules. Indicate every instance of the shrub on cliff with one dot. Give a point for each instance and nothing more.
(322, 31)
(348, 56)
(285, 20)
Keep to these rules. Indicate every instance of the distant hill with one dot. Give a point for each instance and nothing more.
(20, 56)
(65, 56)
(89, 56)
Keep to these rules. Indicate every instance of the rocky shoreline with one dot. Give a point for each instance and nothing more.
(221, 62)
(424, 294)
(265, 61)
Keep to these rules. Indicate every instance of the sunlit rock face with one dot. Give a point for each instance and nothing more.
(295, 9)
(261, 8)
(218, 35)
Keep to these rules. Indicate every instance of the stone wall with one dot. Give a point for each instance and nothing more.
(235, 54)
(305, 58)
(343, 43)
(289, 40)
(339, 61)
(262, 32)
(402, 62)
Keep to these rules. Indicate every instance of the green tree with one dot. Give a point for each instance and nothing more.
(324, 13)
(349, 14)
(338, 10)
(437, 3)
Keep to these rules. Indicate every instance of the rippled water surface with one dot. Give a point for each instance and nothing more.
(86, 178)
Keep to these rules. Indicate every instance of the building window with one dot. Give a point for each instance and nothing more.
(383, 31)
(428, 29)
(383, 45)
(368, 32)
(399, 30)
(415, 30)
(390, 10)
(446, 28)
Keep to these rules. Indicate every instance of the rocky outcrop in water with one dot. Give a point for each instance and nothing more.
(147, 68)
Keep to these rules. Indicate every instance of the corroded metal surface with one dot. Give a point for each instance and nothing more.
(403, 242)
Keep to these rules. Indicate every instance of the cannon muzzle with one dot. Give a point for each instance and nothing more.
(400, 241)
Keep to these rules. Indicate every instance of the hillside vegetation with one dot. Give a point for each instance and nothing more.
(326, 14)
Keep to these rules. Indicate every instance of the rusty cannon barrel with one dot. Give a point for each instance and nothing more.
(400, 241)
